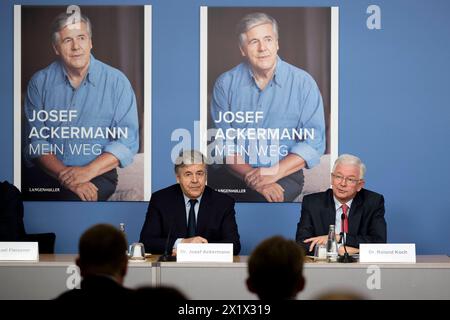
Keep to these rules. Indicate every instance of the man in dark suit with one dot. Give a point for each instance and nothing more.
(11, 213)
(11, 220)
(103, 265)
(362, 210)
(189, 211)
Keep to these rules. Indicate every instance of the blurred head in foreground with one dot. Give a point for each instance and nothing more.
(102, 251)
(275, 269)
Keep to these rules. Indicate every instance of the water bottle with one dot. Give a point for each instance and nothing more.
(332, 251)
(122, 229)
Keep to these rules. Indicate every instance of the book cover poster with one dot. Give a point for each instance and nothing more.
(269, 80)
(82, 102)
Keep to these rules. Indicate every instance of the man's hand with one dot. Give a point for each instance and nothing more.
(316, 240)
(86, 191)
(260, 177)
(190, 240)
(272, 192)
(73, 176)
(194, 240)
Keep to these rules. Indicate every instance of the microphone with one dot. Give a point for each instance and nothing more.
(168, 256)
(346, 258)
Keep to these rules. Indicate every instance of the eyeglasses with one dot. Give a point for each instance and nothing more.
(339, 179)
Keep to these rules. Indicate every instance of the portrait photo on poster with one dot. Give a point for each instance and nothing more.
(82, 102)
(269, 100)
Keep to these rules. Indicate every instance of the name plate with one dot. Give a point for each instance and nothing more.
(19, 251)
(205, 252)
(387, 252)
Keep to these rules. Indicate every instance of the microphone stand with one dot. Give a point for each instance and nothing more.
(166, 257)
(346, 258)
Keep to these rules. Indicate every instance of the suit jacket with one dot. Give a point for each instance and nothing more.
(95, 288)
(166, 219)
(366, 222)
(11, 213)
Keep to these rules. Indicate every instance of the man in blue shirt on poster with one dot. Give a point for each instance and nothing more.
(81, 118)
(273, 114)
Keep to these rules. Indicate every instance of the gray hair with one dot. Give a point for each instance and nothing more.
(63, 20)
(188, 157)
(253, 20)
(349, 159)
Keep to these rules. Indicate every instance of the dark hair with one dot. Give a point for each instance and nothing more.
(275, 268)
(103, 247)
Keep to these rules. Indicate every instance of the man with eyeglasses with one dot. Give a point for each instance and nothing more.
(363, 209)
(189, 211)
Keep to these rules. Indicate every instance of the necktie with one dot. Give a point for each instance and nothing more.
(344, 226)
(191, 220)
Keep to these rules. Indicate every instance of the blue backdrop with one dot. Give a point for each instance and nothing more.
(394, 113)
